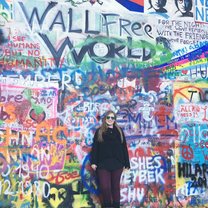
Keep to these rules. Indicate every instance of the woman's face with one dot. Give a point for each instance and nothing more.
(157, 4)
(184, 5)
(110, 119)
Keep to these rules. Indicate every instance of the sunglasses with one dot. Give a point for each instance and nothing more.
(110, 117)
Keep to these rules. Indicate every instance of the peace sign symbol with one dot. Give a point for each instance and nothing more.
(187, 152)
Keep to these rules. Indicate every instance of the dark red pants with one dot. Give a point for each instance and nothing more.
(109, 184)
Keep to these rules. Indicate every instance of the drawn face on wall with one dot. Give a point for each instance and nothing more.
(184, 6)
(157, 4)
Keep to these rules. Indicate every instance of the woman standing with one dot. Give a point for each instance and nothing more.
(109, 157)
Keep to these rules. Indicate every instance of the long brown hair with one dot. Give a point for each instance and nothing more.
(104, 127)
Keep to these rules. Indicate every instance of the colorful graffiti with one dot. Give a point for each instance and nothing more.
(64, 63)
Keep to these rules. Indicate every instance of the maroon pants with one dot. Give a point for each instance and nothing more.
(109, 184)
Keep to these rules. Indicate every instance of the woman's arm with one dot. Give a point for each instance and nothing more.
(126, 154)
(94, 152)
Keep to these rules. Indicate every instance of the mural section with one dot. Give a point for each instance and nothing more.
(191, 113)
(64, 63)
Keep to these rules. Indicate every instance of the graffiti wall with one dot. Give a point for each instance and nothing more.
(64, 63)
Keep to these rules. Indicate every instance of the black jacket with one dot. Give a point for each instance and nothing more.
(111, 154)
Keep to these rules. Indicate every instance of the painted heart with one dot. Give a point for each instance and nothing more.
(38, 117)
(184, 71)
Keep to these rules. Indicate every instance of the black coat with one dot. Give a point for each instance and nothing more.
(111, 154)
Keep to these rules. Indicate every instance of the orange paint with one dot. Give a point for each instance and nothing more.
(10, 109)
(44, 129)
(55, 132)
(140, 2)
(7, 136)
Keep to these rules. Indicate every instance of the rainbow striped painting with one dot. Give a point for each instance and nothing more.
(133, 5)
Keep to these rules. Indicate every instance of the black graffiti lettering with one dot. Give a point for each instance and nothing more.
(70, 23)
(148, 30)
(198, 182)
(57, 54)
(198, 169)
(62, 195)
(118, 49)
(35, 13)
(203, 72)
(204, 169)
(202, 182)
(112, 50)
(136, 26)
(96, 57)
(183, 170)
(106, 23)
(53, 196)
(146, 54)
(61, 22)
(203, 96)
(192, 92)
(130, 55)
(187, 170)
(123, 26)
(194, 183)
(87, 25)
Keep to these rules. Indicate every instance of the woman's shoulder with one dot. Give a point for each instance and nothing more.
(118, 128)
(97, 131)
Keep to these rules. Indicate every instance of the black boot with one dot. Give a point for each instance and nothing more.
(116, 204)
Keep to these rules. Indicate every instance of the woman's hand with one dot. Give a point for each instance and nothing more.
(126, 169)
(94, 167)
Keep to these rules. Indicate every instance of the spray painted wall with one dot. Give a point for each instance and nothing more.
(64, 63)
